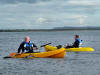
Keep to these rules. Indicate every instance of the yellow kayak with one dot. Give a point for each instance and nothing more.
(81, 49)
(60, 53)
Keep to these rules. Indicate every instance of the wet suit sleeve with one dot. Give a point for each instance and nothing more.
(21, 47)
(34, 45)
(76, 44)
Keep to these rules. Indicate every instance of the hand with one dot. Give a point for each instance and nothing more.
(35, 48)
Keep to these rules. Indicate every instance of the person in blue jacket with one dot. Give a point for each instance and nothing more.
(77, 42)
(27, 46)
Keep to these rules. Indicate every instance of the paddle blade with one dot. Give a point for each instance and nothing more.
(7, 57)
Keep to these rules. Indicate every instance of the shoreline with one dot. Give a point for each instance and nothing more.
(41, 30)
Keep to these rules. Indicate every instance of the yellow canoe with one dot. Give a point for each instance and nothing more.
(81, 49)
(60, 53)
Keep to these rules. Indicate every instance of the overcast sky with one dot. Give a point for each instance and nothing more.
(40, 14)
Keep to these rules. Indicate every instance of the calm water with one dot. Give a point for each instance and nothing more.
(73, 63)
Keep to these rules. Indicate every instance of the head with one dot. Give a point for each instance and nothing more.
(77, 36)
(27, 39)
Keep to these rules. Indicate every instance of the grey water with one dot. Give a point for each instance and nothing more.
(83, 63)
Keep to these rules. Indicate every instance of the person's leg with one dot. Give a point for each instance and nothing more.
(59, 46)
(69, 47)
(31, 51)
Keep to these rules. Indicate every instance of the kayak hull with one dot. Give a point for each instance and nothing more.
(60, 53)
(81, 49)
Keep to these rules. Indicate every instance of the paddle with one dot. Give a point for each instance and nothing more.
(7, 57)
(45, 45)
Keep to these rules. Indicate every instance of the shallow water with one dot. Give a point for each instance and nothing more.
(86, 63)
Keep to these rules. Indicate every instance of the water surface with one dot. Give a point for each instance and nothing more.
(73, 64)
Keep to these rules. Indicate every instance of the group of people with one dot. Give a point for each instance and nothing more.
(28, 47)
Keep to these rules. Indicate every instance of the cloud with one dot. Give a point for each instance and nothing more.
(49, 14)
(81, 3)
(10, 19)
(77, 16)
(22, 1)
(41, 20)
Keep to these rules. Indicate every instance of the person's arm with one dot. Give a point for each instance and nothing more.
(34, 46)
(21, 47)
(76, 44)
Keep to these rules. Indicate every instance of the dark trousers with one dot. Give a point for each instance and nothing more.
(31, 51)
(69, 47)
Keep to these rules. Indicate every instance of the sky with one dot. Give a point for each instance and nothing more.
(47, 14)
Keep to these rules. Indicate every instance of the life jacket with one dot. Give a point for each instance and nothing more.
(80, 41)
(28, 46)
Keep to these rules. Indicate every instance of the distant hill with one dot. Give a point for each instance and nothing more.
(78, 28)
(54, 29)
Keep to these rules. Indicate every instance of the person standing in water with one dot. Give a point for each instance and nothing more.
(27, 46)
(77, 42)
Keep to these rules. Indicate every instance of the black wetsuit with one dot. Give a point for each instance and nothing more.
(75, 44)
(21, 47)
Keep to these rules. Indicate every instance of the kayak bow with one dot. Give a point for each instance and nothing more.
(60, 53)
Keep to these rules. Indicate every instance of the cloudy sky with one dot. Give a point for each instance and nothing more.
(42, 14)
